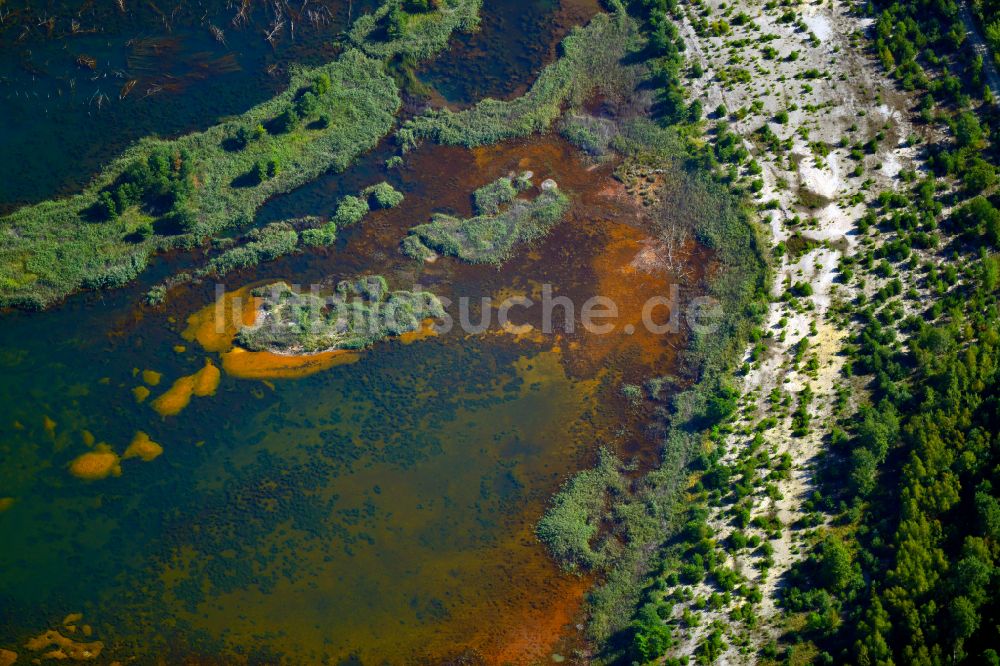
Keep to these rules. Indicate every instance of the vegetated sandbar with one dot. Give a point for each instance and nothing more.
(162, 194)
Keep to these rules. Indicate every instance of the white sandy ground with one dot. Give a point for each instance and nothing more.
(867, 99)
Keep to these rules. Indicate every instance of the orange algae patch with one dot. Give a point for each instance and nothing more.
(176, 398)
(64, 648)
(427, 330)
(202, 383)
(7, 657)
(97, 464)
(206, 380)
(152, 377)
(88, 438)
(142, 447)
(6, 503)
(140, 393)
(50, 426)
(215, 325)
(244, 364)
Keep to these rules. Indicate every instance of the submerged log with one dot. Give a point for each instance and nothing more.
(127, 88)
(217, 34)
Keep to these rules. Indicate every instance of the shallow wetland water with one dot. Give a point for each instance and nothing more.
(376, 511)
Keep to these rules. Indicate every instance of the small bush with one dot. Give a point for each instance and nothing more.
(384, 195)
(320, 236)
(351, 210)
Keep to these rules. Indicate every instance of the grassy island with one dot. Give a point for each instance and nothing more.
(490, 237)
(360, 313)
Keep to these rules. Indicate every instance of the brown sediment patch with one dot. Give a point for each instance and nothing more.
(6, 503)
(88, 437)
(98, 464)
(215, 326)
(176, 398)
(140, 393)
(142, 447)
(202, 383)
(152, 377)
(64, 648)
(533, 636)
(244, 364)
(72, 618)
(7, 657)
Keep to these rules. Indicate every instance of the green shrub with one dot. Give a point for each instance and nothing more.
(489, 198)
(266, 169)
(651, 637)
(570, 525)
(307, 106)
(384, 195)
(350, 210)
(247, 134)
(324, 235)
(321, 84)
(285, 122)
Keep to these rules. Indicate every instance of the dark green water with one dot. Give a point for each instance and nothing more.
(369, 509)
(62, 121)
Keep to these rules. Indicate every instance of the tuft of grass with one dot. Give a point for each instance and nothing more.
(383, 195)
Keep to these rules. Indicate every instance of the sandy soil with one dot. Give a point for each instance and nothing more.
(832, 89)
